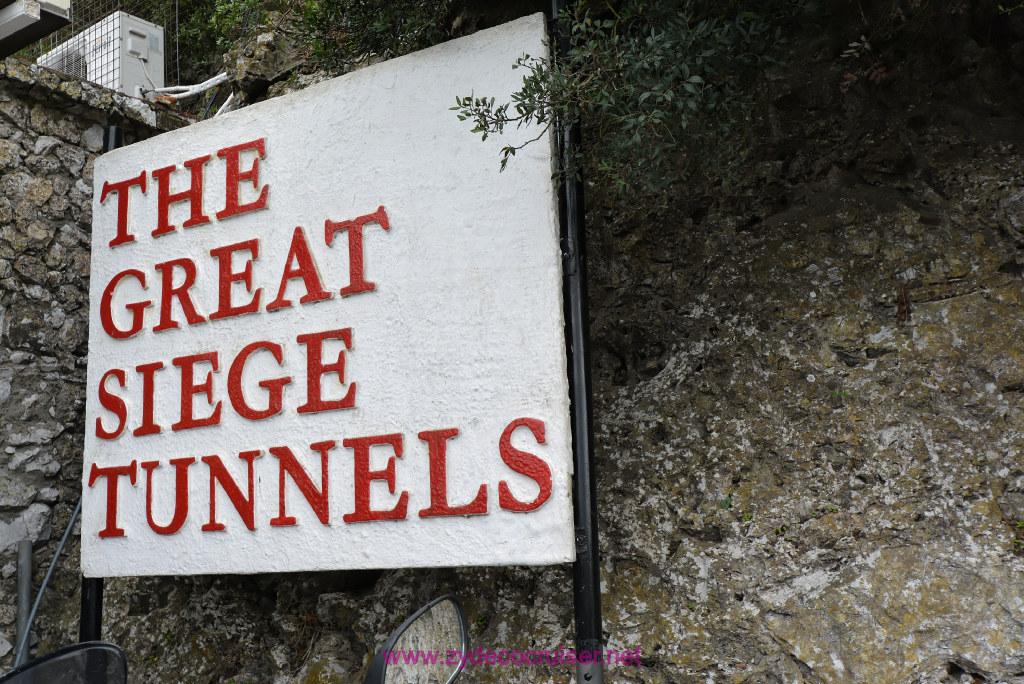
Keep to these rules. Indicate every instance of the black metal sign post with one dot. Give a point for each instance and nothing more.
(90, 625)
(586, 569)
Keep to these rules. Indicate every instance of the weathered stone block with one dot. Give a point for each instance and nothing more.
(15, 494)
(33, 524)
(10, 154)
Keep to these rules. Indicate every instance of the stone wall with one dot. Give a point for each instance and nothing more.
(51, 129)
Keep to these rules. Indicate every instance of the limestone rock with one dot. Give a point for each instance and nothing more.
(899, 598)
(266, 54)
(33, 524)
(15, 494)
(1013, 211)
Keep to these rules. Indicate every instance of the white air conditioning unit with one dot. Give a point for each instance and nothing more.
(120, 52)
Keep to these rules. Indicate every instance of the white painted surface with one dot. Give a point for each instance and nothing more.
(463, 331)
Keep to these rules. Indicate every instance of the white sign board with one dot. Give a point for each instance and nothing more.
(326, 332)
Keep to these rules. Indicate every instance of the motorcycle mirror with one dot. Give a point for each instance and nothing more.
(91, 662)
(422, 650)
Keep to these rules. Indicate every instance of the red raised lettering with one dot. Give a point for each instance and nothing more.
(194, 196)
(316, 498)
(315, 369)
(113, 474)
(148, 371)
(437, 442)
(168, 291)
(189, 389)
(364, 476)
(228, 276)
(180, 494)
(244, 506)
(121, 188)
(137, 308)
(235, 177)
(274, 387)
(304, 268)
(356, 279)
(112, 403)
(524, 463)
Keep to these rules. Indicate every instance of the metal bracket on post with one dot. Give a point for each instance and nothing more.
(90, 626)
(586, 569)
(570, 258)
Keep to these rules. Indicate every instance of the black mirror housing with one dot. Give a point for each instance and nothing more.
(378, 666)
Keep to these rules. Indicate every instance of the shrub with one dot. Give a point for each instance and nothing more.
(341, 33)
(661, 87)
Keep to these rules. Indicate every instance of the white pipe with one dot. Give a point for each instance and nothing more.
(182, 92)
(226, 107)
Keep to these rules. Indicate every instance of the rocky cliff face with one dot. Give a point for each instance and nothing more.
(809, 416)
(810, 396)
